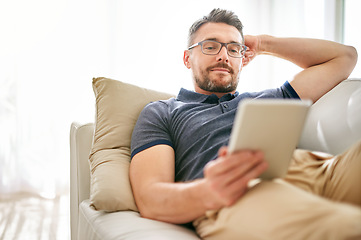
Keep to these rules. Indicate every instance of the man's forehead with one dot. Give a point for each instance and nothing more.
(218, 31)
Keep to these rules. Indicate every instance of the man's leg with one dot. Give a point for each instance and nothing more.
(337, 178)
(279, 210)
(345, 181)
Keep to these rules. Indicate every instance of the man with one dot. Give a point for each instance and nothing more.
(180, 170)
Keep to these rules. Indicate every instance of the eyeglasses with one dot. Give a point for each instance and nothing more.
(211, 47)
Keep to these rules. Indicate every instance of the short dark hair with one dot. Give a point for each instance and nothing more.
(217, 15)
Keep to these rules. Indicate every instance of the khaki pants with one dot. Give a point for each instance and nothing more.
(320, 198)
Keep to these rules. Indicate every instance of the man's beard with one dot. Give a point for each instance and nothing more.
(208, 85)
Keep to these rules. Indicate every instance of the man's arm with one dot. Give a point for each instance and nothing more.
(325, 63)
(159, 197)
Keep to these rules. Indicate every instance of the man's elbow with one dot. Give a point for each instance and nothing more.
(146, 212)
(352, 56)
(151, 213)
(147, 209)
(345, 62)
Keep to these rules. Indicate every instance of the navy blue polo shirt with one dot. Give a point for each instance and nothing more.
(194, 125)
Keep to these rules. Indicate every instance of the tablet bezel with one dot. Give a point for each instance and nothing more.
(273, 126)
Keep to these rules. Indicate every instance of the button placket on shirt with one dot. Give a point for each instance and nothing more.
(224, 106)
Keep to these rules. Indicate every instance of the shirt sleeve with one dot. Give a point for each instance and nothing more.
(288, 91)
(151, 128)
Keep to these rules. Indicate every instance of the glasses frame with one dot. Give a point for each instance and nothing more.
(222, 44)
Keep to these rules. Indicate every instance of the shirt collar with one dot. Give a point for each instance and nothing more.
(185, 95)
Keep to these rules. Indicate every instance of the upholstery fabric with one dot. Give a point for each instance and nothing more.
(98, 225)
(118, 106)
(334, 121)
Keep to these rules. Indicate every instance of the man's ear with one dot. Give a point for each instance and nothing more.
(245, 61)
(186, 57)
(248, 57)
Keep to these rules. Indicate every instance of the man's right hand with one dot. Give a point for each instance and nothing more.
(226, 178)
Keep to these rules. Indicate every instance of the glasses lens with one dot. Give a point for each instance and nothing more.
(210, 47)
(235, 49)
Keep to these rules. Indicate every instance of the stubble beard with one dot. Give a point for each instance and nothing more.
(207, 84)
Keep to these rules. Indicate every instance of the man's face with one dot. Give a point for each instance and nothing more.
(214, 73)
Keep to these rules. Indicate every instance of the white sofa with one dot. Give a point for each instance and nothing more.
(333, 124)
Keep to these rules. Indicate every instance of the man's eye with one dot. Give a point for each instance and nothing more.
(234, 49)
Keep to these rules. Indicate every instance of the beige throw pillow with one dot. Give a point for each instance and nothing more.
(118, 106)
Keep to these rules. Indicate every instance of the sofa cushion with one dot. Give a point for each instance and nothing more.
(126, 225)
(118, 106)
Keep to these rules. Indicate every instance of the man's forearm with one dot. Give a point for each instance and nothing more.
(305, 52)
(173, 202)
(325, 63)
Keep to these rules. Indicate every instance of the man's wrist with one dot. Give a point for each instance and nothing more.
(265, 44)
(201, 195)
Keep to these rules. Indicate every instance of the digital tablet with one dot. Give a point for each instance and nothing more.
(273, 126)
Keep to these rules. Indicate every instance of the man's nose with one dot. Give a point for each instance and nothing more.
(223, 55)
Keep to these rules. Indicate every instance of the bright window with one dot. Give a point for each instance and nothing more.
(50, 50)
(162, 33)
(352, 33)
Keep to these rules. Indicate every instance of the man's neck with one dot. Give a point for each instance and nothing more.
(218, 94)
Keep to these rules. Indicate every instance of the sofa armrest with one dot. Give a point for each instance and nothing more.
(81, 137)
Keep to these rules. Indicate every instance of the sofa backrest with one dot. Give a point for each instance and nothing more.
(334, 121)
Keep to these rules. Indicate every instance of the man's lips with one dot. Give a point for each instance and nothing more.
(220, 67)
(220, 70)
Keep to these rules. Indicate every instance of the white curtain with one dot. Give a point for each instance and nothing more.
(51, 49)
